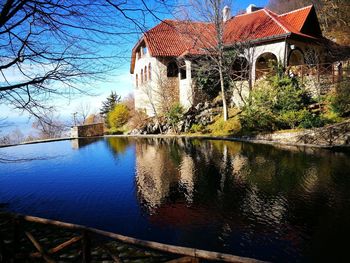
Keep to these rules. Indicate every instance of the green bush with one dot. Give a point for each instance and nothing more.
(341, 100)
(196, 128)
(175, 115)
(278, 103)
(224, 128)
(118, 116)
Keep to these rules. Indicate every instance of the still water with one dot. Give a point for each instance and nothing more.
(260, 201)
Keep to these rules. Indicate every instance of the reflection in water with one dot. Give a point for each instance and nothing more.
(260, 201)
(255, 195)
(80, 143)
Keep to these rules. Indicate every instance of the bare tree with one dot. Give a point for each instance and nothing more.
(159, 94)
(49, 126)
(83, 110)
(51, 47)
(209, 40)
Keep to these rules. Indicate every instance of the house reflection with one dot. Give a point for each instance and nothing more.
(230, 185)
(160, 169)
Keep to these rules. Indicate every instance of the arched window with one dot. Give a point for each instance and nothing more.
(296, 57)
(149, 72)
(137, 80)
(141, 76)
(265, 64)
(145, 73)
(172, 70)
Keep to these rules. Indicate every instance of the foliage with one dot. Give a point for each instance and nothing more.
(118, 116)
(279, 103)
(174, 115)
(197, 128)
(333, 15)
(108, 105)
(340, 102)
(224, 128)
(114, 131)
(207, 77)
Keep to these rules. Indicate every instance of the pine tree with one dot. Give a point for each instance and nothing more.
(108, 105)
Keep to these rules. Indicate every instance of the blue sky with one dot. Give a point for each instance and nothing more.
(119, 80)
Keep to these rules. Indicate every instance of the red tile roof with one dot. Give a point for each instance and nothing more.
(297, 17)
(173, 38)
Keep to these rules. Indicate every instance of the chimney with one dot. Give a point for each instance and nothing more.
(226, 13)
(251, 8)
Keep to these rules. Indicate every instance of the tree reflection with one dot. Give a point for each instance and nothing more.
(118, 145)
(258, 189)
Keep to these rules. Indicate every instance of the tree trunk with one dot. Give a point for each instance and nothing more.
(224, 104)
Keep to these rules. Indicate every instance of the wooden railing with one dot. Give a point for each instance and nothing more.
(86, 236)
(327, 73)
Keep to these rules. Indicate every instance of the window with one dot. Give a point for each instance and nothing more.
(141, 76)
(149, 72)
(137, 80)
(183, 71)
(172, 70)
(145, 74)
(144, 50)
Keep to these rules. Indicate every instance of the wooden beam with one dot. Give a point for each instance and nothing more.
(59, 247)
(203, 254)
(39, 248)
(110, 253)
(184, 260)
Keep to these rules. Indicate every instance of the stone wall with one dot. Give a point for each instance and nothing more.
(89, 130)
(331, 135)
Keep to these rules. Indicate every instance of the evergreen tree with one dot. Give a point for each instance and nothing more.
(108, 105)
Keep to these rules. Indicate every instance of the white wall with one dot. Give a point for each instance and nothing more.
(277, 48)
(186, 89)
(147, 91)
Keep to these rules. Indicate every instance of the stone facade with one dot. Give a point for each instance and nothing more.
(89, 130)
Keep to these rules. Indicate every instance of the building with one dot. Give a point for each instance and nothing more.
(162, 60)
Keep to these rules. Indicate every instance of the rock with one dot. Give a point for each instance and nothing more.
(198, 106)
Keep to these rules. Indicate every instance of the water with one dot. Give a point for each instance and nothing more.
(265, 202)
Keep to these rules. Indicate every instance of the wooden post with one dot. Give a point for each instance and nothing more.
(16, 237)
(3, 256)
(86, 242)
(318, 73)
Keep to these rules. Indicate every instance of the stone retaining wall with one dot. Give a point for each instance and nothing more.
(332, 135)
(89, 130)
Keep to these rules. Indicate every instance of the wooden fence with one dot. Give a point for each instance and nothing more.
(86, 236)
(326, 73)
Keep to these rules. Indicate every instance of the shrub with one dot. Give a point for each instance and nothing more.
(118, 116)
(175, 115)
(341, 101)
(278, 103)
(223, 128)
(197, 128)
(310, 120)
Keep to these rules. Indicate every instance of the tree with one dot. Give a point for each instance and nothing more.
(49, 126)
(108, 105)
(334, 15)
(118, 116)
(82, 111)
(53, 47)
(209, 41)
